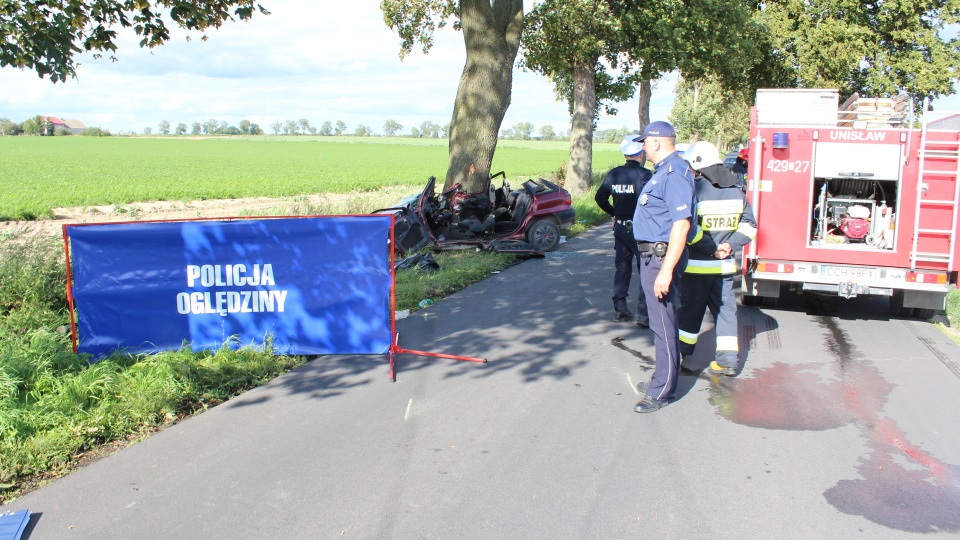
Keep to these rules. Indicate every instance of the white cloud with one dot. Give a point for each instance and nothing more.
(323, 60)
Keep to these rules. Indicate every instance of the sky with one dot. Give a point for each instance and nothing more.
(323, 60)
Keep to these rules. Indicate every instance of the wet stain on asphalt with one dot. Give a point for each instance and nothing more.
(647, 363)
(779, 397)
(900, 486)
(923, 497)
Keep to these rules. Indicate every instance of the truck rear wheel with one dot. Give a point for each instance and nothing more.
(769, 301)
(924, 314)
(896, 305)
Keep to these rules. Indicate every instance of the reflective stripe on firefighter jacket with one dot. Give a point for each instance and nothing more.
(723, 216)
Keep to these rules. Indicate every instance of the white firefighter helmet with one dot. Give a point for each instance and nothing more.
(702, 154)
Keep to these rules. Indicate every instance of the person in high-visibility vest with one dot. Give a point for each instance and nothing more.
(727, 224)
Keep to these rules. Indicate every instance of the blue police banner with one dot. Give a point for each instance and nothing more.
(317, 285)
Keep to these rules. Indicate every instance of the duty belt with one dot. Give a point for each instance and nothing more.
(627, 224)
(652, 248)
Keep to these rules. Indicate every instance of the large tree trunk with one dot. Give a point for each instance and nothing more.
(643, 109)
(580, 166)
(491, 32)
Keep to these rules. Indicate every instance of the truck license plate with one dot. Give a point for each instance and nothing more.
(848, 272)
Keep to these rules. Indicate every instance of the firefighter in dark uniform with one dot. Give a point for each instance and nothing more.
(662, 226)
(624, 183)
(727, 223)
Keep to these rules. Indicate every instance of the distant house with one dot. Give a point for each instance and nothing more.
(56, 124)
(75, 126)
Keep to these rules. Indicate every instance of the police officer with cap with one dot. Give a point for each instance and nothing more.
(624, 183)
(662, 226)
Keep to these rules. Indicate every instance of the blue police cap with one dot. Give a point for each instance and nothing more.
(657, 129)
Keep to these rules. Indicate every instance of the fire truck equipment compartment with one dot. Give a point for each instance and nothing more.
(855, 199)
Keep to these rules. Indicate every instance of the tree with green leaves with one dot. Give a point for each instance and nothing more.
(362, 131)
(164, 127)
(47, 36)
(429, 129)
(491, 34)
(878, 49)
(391, 128)
(9, 127)
(245, 126)
(326, 129)
(523, 130)
(614, 135)
(304, 125)
(547, 133)
(704, 111)
(180, 129)
(341, 128)
(566, 40)
(597, 51)
(195, 128)
(36, 125)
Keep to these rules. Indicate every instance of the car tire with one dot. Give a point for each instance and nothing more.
(544, 234)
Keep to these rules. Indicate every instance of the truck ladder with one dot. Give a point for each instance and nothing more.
(947, 151)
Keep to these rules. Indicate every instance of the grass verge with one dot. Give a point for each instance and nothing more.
(949, 322)
(57, 412)
(56, 409)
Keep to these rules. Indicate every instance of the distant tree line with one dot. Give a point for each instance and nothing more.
(210, 127)
(41, 126)
(524, 131)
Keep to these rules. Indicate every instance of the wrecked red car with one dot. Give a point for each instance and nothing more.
(526, 220)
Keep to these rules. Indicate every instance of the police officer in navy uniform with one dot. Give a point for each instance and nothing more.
(662, 226)
(624, 183)
(725, 219)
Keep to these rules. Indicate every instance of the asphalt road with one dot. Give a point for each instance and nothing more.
(842, 424)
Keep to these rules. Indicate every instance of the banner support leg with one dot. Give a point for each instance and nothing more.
(397, 349)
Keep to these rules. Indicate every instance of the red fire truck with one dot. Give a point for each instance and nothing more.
(852, 199)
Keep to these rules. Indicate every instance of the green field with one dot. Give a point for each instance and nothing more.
(42, 173)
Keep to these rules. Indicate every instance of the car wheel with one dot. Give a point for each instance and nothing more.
(923, 313)
(748, 300)
(544, 234)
